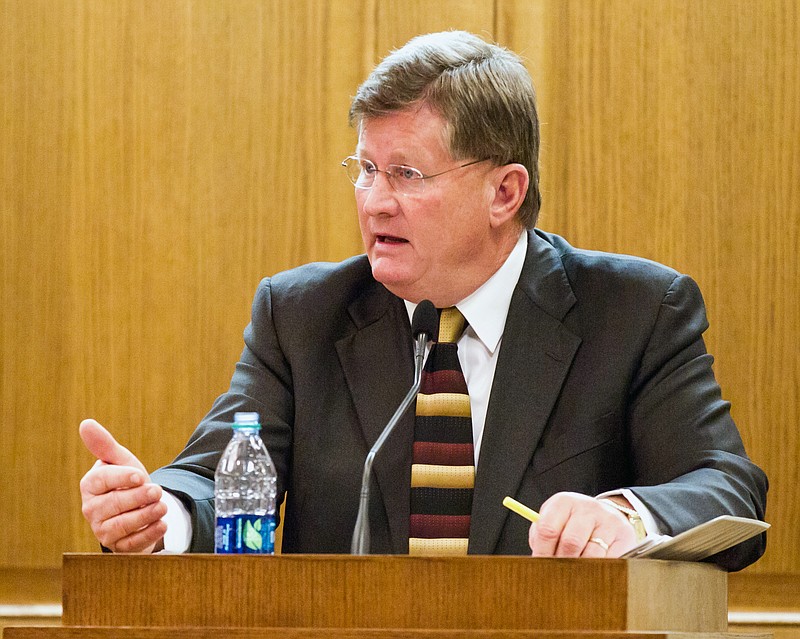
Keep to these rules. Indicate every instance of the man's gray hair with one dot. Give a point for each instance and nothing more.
(483, 91)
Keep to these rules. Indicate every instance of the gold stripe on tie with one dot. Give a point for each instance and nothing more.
(433, 476)
(447, 546)
(443, 405)
(451, 324)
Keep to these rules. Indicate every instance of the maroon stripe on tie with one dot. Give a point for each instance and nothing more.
(443, 381)
(442, 454)
(434, 526)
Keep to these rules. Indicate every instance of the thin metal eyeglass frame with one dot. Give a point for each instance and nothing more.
(390, 178)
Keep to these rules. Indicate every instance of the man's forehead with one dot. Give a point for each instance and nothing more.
(415, 133)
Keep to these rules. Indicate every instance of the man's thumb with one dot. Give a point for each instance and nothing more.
(102, 445)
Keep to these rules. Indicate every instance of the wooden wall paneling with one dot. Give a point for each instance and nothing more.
(754, 118)
(158, 160)
(397, 21)
(608, 119)
(36, 308)
(671, 130)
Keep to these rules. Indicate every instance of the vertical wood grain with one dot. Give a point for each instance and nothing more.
(158, 159)
(397, 21)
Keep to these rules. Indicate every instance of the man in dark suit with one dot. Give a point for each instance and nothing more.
(592, 395)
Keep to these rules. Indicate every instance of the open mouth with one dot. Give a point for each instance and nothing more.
(390, 239)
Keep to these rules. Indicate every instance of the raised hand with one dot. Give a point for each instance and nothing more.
(119, 501)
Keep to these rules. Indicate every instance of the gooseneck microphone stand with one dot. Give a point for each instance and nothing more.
(424, 327)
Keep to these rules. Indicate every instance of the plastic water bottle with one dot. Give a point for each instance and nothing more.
(245, 487)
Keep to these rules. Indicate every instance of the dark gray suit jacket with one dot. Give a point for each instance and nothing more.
(602, 382)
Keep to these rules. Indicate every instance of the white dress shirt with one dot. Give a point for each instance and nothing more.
(485, 311)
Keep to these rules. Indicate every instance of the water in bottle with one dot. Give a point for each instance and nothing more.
(245, 487)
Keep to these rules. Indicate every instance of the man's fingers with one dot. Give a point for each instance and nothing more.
(103, 478)
(575, 534)
(106, 506)
(620, 540)
(144, 540)
(593, 550)
(102, 445)
(136, 531)
(573, 525)
(545, 535)
(130, 522)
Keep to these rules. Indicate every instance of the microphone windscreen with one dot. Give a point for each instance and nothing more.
(425, 320)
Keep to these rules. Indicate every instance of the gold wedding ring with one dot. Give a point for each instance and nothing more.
(600, 543)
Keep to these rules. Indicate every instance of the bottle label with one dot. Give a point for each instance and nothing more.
(242, 534)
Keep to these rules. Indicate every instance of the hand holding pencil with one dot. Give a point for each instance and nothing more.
(575, 525)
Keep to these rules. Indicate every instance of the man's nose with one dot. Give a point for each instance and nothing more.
(381, 198)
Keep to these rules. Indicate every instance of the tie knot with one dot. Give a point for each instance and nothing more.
(451, 325)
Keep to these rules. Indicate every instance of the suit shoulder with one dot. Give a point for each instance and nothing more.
(316, 282)
(321, 299)
(589, 268)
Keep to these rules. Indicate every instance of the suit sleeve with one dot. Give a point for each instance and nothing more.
(262, 382)
(688, 458)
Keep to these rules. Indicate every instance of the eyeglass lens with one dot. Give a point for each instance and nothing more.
(402, 178)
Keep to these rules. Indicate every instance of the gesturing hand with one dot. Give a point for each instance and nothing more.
(120, 503)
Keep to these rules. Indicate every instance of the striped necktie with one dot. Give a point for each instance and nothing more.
(443, 465)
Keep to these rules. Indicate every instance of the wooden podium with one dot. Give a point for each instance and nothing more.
(304, 596)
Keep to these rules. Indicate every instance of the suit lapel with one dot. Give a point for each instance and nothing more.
(377, 360)
(534, 359)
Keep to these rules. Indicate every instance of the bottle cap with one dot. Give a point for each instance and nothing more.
(246, 420)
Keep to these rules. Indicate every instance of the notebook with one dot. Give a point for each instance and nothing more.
(699, 542)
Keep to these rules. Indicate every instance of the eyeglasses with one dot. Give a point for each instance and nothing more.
(404, 179)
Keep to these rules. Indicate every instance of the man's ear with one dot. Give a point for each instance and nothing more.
(510, 188)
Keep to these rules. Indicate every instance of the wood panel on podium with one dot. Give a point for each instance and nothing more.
(134, 597)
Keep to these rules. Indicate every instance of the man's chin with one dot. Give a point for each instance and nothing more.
(396, 280)
(415, 289)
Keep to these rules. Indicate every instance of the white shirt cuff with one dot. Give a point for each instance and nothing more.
(179, 524)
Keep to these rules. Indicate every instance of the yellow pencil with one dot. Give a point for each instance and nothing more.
(521, 509)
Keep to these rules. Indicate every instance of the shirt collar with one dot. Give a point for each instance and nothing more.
(486, 309)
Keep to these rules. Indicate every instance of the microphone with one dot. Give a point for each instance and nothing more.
(424, 328)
